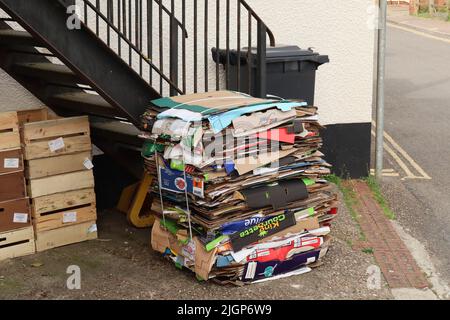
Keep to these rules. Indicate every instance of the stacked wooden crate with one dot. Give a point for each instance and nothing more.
(59, 179)
(16, 232)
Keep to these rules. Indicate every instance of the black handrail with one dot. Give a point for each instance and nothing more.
(253, 13)
(166, 64)
(129, 42)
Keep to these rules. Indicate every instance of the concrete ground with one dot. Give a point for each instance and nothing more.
(417, 119)
(121, 265)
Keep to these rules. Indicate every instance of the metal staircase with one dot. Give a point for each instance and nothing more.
(120, 54)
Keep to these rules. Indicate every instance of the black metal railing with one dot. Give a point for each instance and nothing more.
(169, 42)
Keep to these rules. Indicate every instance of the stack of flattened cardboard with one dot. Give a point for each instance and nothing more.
(240, 195)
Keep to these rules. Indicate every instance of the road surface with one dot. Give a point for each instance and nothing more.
(418, 120)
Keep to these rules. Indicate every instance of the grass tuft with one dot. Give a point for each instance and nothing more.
(376, 191)
(349, 200)
(368, 250)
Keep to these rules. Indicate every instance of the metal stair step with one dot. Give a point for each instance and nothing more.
(119, 140)
(120, 131)
(51, 72)
(16, 37)
(84, 103)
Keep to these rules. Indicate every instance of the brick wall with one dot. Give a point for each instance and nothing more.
(415, 5)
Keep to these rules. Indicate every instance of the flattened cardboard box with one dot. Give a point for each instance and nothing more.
(262, 230)
(261, 270)
(163, 240)
(208, 102)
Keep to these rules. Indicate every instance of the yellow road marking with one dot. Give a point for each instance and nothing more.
(423, 34)
(397, 149)
(406, 156)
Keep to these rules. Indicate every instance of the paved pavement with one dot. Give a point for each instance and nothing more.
(400, 15)
(417, 119)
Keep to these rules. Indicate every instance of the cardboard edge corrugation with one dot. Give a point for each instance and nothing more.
(161, 240)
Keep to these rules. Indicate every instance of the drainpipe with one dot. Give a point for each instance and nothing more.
(380, 89)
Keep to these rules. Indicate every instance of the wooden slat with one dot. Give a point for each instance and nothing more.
(61, 201)
(17, 250)
(52, 129)
(44, 167)
(64, 236)
(8, 120)
(7, 211)
(61, 183)
(56, 220)
(9, 140)
(41, 149)
(9, 131)
(32, 115)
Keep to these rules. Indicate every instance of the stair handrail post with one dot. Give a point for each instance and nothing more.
(261, 65)
(173, 54)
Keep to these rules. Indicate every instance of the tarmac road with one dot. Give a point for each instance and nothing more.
(418, 119)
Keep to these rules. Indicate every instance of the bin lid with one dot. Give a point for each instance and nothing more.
(283, 53)
(288, 51)
(273, 54)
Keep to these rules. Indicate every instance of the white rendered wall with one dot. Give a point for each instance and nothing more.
(339, 29)
(14, 97)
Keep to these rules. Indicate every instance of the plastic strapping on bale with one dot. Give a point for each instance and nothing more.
(187, 198)
(159, 186)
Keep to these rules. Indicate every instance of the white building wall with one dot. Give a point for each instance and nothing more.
(340, 29)
(14, 97)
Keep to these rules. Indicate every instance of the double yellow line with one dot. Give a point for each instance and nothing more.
(404, 160)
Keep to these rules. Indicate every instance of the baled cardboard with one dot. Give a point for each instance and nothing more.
(160, 240)
(277, 196)
(204, 260)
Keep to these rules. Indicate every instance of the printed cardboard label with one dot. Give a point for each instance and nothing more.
(198, 188)
(20, 218)
(92, 228)
(251, 269)
(188, 251)
(11, 163)
(173, 180)
(88, 164)
(56, 144)
(69, 217)
(273, 268)
(262, 230)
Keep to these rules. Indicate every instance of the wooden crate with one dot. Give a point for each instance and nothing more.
(12, 186)
(45, 167)
(74, 132)
(9, 131)
(12, 214)
(60, 183)
(17, 243)
(63, 209)
(66, 235)
(6, 161)
(33, 115)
